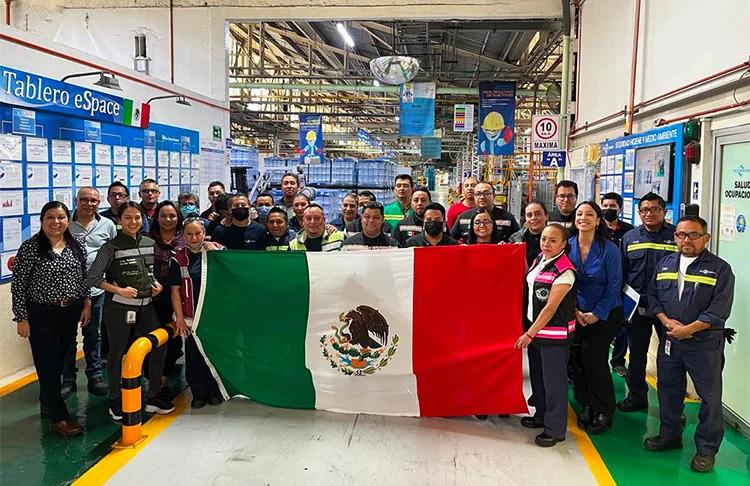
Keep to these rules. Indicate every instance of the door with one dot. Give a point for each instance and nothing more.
(731, 241)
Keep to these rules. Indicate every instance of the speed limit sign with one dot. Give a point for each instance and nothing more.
(545, 132)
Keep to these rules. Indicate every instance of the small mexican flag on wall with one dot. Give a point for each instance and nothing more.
(135, 114)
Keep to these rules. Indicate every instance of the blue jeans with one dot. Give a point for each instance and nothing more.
(92, 338)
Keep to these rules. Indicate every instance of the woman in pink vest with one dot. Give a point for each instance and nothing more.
(551, 283)
(185, 281)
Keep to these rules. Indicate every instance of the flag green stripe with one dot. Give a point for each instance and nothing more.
(253, 324)
(127, 112)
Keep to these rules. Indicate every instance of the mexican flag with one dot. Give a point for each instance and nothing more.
(135, 114)
(414, 332)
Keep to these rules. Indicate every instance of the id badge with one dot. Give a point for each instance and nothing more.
(130, 317)
(668, 347)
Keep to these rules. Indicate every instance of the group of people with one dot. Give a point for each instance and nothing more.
(113, 267)
(574, 311)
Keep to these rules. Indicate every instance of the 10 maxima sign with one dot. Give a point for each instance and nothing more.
(545, 132)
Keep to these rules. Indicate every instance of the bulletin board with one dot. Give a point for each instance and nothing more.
(47, 156)
(649, 161)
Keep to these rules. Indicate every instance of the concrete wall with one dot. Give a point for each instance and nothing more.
(201, 116)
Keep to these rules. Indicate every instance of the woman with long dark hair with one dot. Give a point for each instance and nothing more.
(599, 317)
(483, 229)
(166, 231)
(124, 269)
(50, 298)
(549, 326)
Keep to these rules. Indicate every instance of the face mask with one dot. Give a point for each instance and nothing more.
(188, 209)
(240, 214)
(263, 212)
(433, 228)
(610, 215)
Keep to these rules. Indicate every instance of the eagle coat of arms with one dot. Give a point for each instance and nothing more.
(359, 345)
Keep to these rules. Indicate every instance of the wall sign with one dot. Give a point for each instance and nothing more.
(545, 132)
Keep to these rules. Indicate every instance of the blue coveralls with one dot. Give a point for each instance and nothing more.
(641, 251)
(707, 296)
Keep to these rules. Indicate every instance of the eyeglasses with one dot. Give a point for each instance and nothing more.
(692, 235)
(567, 196)
(150, 191)
(483, 222)
(483, 194)
(652, 210)
(118, 195)
(88, 200)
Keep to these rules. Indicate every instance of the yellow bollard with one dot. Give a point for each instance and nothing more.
(131, 383)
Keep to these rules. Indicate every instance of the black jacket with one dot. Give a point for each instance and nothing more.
(420, 240)
(506, 222)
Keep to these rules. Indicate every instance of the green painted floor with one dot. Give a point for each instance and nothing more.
(31, 455)
(630, 464)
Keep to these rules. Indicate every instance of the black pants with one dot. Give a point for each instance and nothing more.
(53, 329)
(91, 345)
(115, 318)
(199, 377)
(549, 386)
(639, 331)
(702, 357)
(592, 384)
(174, 346)
(620, 348)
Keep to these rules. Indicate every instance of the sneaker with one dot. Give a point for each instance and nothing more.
(621, 371)
(160, 405)
(68, 387)
(115, 410)
(97, 387)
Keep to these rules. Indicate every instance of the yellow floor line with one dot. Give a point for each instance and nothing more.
(25, 380)
(103, 470)
(588, 450)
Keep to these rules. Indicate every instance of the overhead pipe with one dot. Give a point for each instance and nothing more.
(633, 69)
(362, 88)
(7, 12)
(171, 41)
(696, 114)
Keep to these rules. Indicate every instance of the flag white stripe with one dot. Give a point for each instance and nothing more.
(337, 285)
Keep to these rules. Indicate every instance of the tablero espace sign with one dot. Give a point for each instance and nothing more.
(30, 90)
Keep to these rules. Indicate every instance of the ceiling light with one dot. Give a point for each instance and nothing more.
(345, 34)
(180, 99)
(394, 70)
(376, 83)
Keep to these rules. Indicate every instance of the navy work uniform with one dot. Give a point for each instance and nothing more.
(641, 251)
(703, 293)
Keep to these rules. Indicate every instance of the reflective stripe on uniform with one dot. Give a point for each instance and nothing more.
(410, 227)
(652, 246)
(184, 273)
(666, 276)
(128, 301)
(146, 250)
(700, 279)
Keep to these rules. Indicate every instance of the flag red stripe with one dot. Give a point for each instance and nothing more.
(463, 355)
(145, 114)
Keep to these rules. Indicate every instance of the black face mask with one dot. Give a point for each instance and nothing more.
(433, 228)
(610, 215)
(240, 214)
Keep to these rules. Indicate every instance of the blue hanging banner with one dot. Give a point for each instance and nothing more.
(497, 118)
(310, 138)
(432, 147)
(417, 110)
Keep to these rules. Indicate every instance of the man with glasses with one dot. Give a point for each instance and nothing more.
(484, 195)
(691, 295)
(403, 187)
(117, 193)
(372, 236)
(467, 203)
(566, 198)
(95, 231)
(149, 192)
(642, 248)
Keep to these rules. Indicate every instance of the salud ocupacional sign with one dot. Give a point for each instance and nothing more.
(33, 91)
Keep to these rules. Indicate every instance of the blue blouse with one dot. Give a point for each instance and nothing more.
(599, 277)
